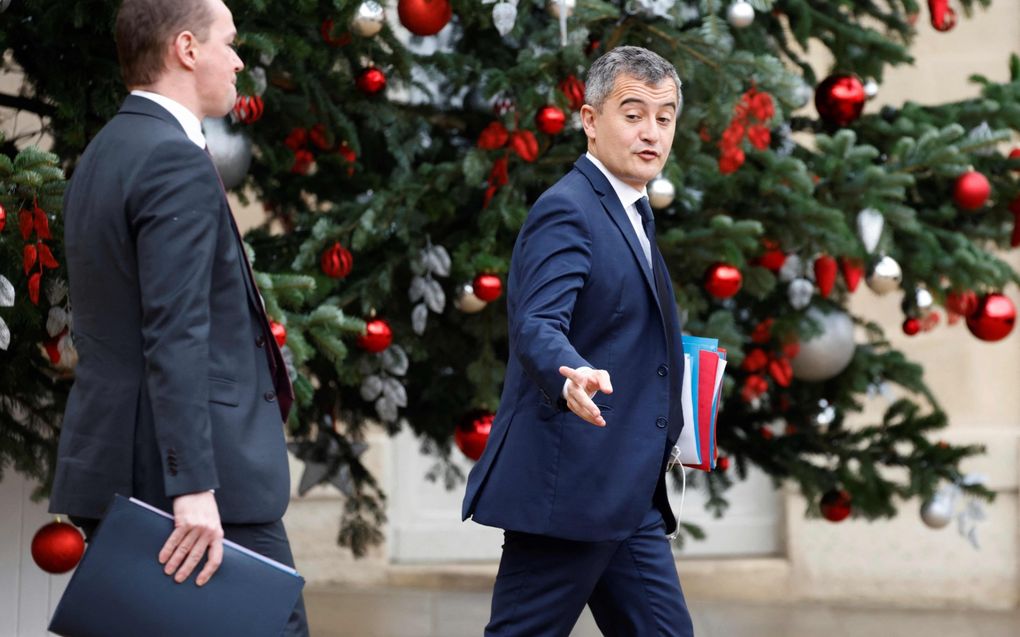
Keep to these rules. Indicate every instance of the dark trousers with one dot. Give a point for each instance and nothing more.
(631, 586)
(269, 540)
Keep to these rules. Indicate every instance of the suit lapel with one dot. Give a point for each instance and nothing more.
(614, 208)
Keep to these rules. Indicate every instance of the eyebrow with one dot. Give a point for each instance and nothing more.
(638, 100)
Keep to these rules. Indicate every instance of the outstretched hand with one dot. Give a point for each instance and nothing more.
(584, 383)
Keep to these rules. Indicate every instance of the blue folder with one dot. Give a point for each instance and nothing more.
(120, 590)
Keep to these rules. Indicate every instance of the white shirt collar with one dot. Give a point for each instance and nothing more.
(627, 194)
(189, 121)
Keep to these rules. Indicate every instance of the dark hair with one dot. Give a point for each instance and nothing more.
(645, 65)
(145, 28)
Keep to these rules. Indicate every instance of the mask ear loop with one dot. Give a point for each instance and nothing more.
(674, 460)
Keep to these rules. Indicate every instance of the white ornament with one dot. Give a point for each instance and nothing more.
(258, 78)
(800, 293)
(791, 268)
(68, 354)
(661, 193)
(937, 512)
(651, 8)
(871, 88)
(504, 16)
(5, 335)
(885, 276)
(740, 14)
(554, 7)
(368, 19)
(6, 292)
(466, 300)
(828, 353)
(230, 150)
(870, 223)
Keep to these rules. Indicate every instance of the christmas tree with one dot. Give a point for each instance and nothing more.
(397, 148)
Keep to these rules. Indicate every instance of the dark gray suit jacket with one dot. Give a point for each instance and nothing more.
(176, 385)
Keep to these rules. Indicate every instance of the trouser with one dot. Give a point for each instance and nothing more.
(269, 540)
(630, 585)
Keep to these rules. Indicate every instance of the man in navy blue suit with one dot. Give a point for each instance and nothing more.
(574, 469)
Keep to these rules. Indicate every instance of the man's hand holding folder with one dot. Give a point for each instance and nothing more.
(197, 528)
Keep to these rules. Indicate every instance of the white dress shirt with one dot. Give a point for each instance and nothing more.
(190, 122)
(628, 196)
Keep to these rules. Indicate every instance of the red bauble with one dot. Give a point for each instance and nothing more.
(326, 29)
(550, 120)
(487, 287)
(943, 17)
(424, 17)
(248, 108)
(962, 303)
(57, 547)
(840, 99)
(523, 143)
(853, 270)
(473, 432)
(723, 280)
(911, 326)
(337, 261)
(825, 274)
(773, 258)
(971, 190)
(371, 81)
(3, 217)
(835, 505)
(279, 331)
(573, 89)
(723, 463)
(993, 318)
(303, 160)
(1015, 154)
(378, 336)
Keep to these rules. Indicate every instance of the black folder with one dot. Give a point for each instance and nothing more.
(120, 590)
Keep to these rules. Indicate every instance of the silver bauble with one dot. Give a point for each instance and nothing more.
(937, 512)
(920, 304)
(740, 14)
(800, 293)
(368, 19)
(871, 88)
(885, 276)
(661, 192)
(792, 268)
(230, 150)
(466, 301)
(827, 354)
(553, 7)
(504, 15)
(826, 413)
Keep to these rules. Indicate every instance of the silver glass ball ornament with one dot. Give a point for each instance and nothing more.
(740, 14)
(661, 193)
(466, 301)
(885, 275)
(800, 292)
(828, 353)
(230, 150)
(553, 7)
(368, 19)
(871, 89)
(938, 511)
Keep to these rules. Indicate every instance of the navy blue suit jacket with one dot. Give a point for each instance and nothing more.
(580, 293)
(174, 390)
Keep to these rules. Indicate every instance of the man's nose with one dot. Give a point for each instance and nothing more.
(650, 131)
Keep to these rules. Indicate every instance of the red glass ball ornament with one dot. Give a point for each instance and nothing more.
(371, 81)
(3, 217)
(550, 120)
(971, 190)
(248, 109)
(57, 547)
(993, 318)
(840, 99)
(326, 29)
(337, 261)
(911, 326)
(773, 258)
(279, 331)
(835, 505)
(472, 432)
(1015, 154)
(487, 287)
(723, 280)
(723, 463)
(424, 17)
(378, 336)
(962, 303)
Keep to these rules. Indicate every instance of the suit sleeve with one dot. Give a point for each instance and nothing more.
(175, 214)
(553, 261)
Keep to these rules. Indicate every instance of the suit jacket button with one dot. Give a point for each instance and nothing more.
(260, 340)
(661, 422)
(663, 370)
(270, 396)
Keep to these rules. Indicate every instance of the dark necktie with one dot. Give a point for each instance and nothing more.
(277, 366)
(648, 220)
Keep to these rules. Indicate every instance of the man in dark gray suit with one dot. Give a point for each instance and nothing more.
(180, 391)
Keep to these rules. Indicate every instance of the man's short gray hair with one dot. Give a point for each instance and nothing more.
(639, 63)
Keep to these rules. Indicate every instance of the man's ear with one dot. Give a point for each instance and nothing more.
(185, 50)
(588, 115)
